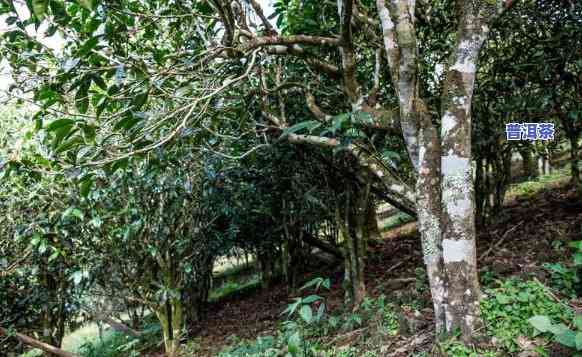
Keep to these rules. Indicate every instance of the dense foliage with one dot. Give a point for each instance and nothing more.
(145, 141)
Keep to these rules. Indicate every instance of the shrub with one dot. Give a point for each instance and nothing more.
(507, 308)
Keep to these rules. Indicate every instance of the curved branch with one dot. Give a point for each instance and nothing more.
(311, 60)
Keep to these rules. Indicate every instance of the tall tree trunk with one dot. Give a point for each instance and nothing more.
(372, 222)
(503, 178)
(455, 217)
(267, 268)
(351, 220)
(458, 204)
(195, 294)
(529, 166)
(171, 320)
(285, 256)
(428, 203)
(480, 193)
(361, 237)
(574, 161)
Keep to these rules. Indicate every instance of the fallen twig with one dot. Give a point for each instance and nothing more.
(498, 243)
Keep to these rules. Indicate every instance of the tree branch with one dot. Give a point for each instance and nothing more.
(322, 245)
(259, 11)
(311, 60)
(50, 349)
(289, 41)
(351, 85)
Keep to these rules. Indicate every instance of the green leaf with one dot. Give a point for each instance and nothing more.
(567, 338)
(139, 100)
(579, 341)
(306, 313)
(558, 329)
(85, 186)
(62, 133)
(127, 122)
(98, 80)
(503, 299)
(313, 282)
(310, 125)
(320, 312)
(35, 239)
(311, 298)
(89, 4)
(578, 322)
(82, 97)
(43, 246)
(389, 156)
(73, 212)
(355, 133)
(39, 8)
(293, 343)
(541, 323)
(59, 123)
(87, 47)
(73, 142)
(292, 307)
(55, 254)
(578, 258)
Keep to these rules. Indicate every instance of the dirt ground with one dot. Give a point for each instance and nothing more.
(518, 242)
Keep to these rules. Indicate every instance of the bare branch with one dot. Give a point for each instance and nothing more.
(290, 40)
(29, 341)
(315, 63)
(389, 36)
(259, 11)
(351, 85)
(224, 12)
(373, 95)
(315, 109)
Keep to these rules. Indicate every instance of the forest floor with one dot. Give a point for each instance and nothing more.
(534, 229)
(539, 219)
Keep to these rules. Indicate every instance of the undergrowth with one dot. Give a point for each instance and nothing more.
(116, 344)
(507, 308)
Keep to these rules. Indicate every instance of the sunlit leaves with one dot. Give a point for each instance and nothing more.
(39, 8)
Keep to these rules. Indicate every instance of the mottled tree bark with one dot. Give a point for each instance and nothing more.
(421, 141)
(429, 217)
(459, 236)
(445, 205)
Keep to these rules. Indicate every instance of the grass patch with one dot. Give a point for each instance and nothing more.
(229, 266)
(531, 188)
(73, 341)
(233, 288)
(396, 220)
